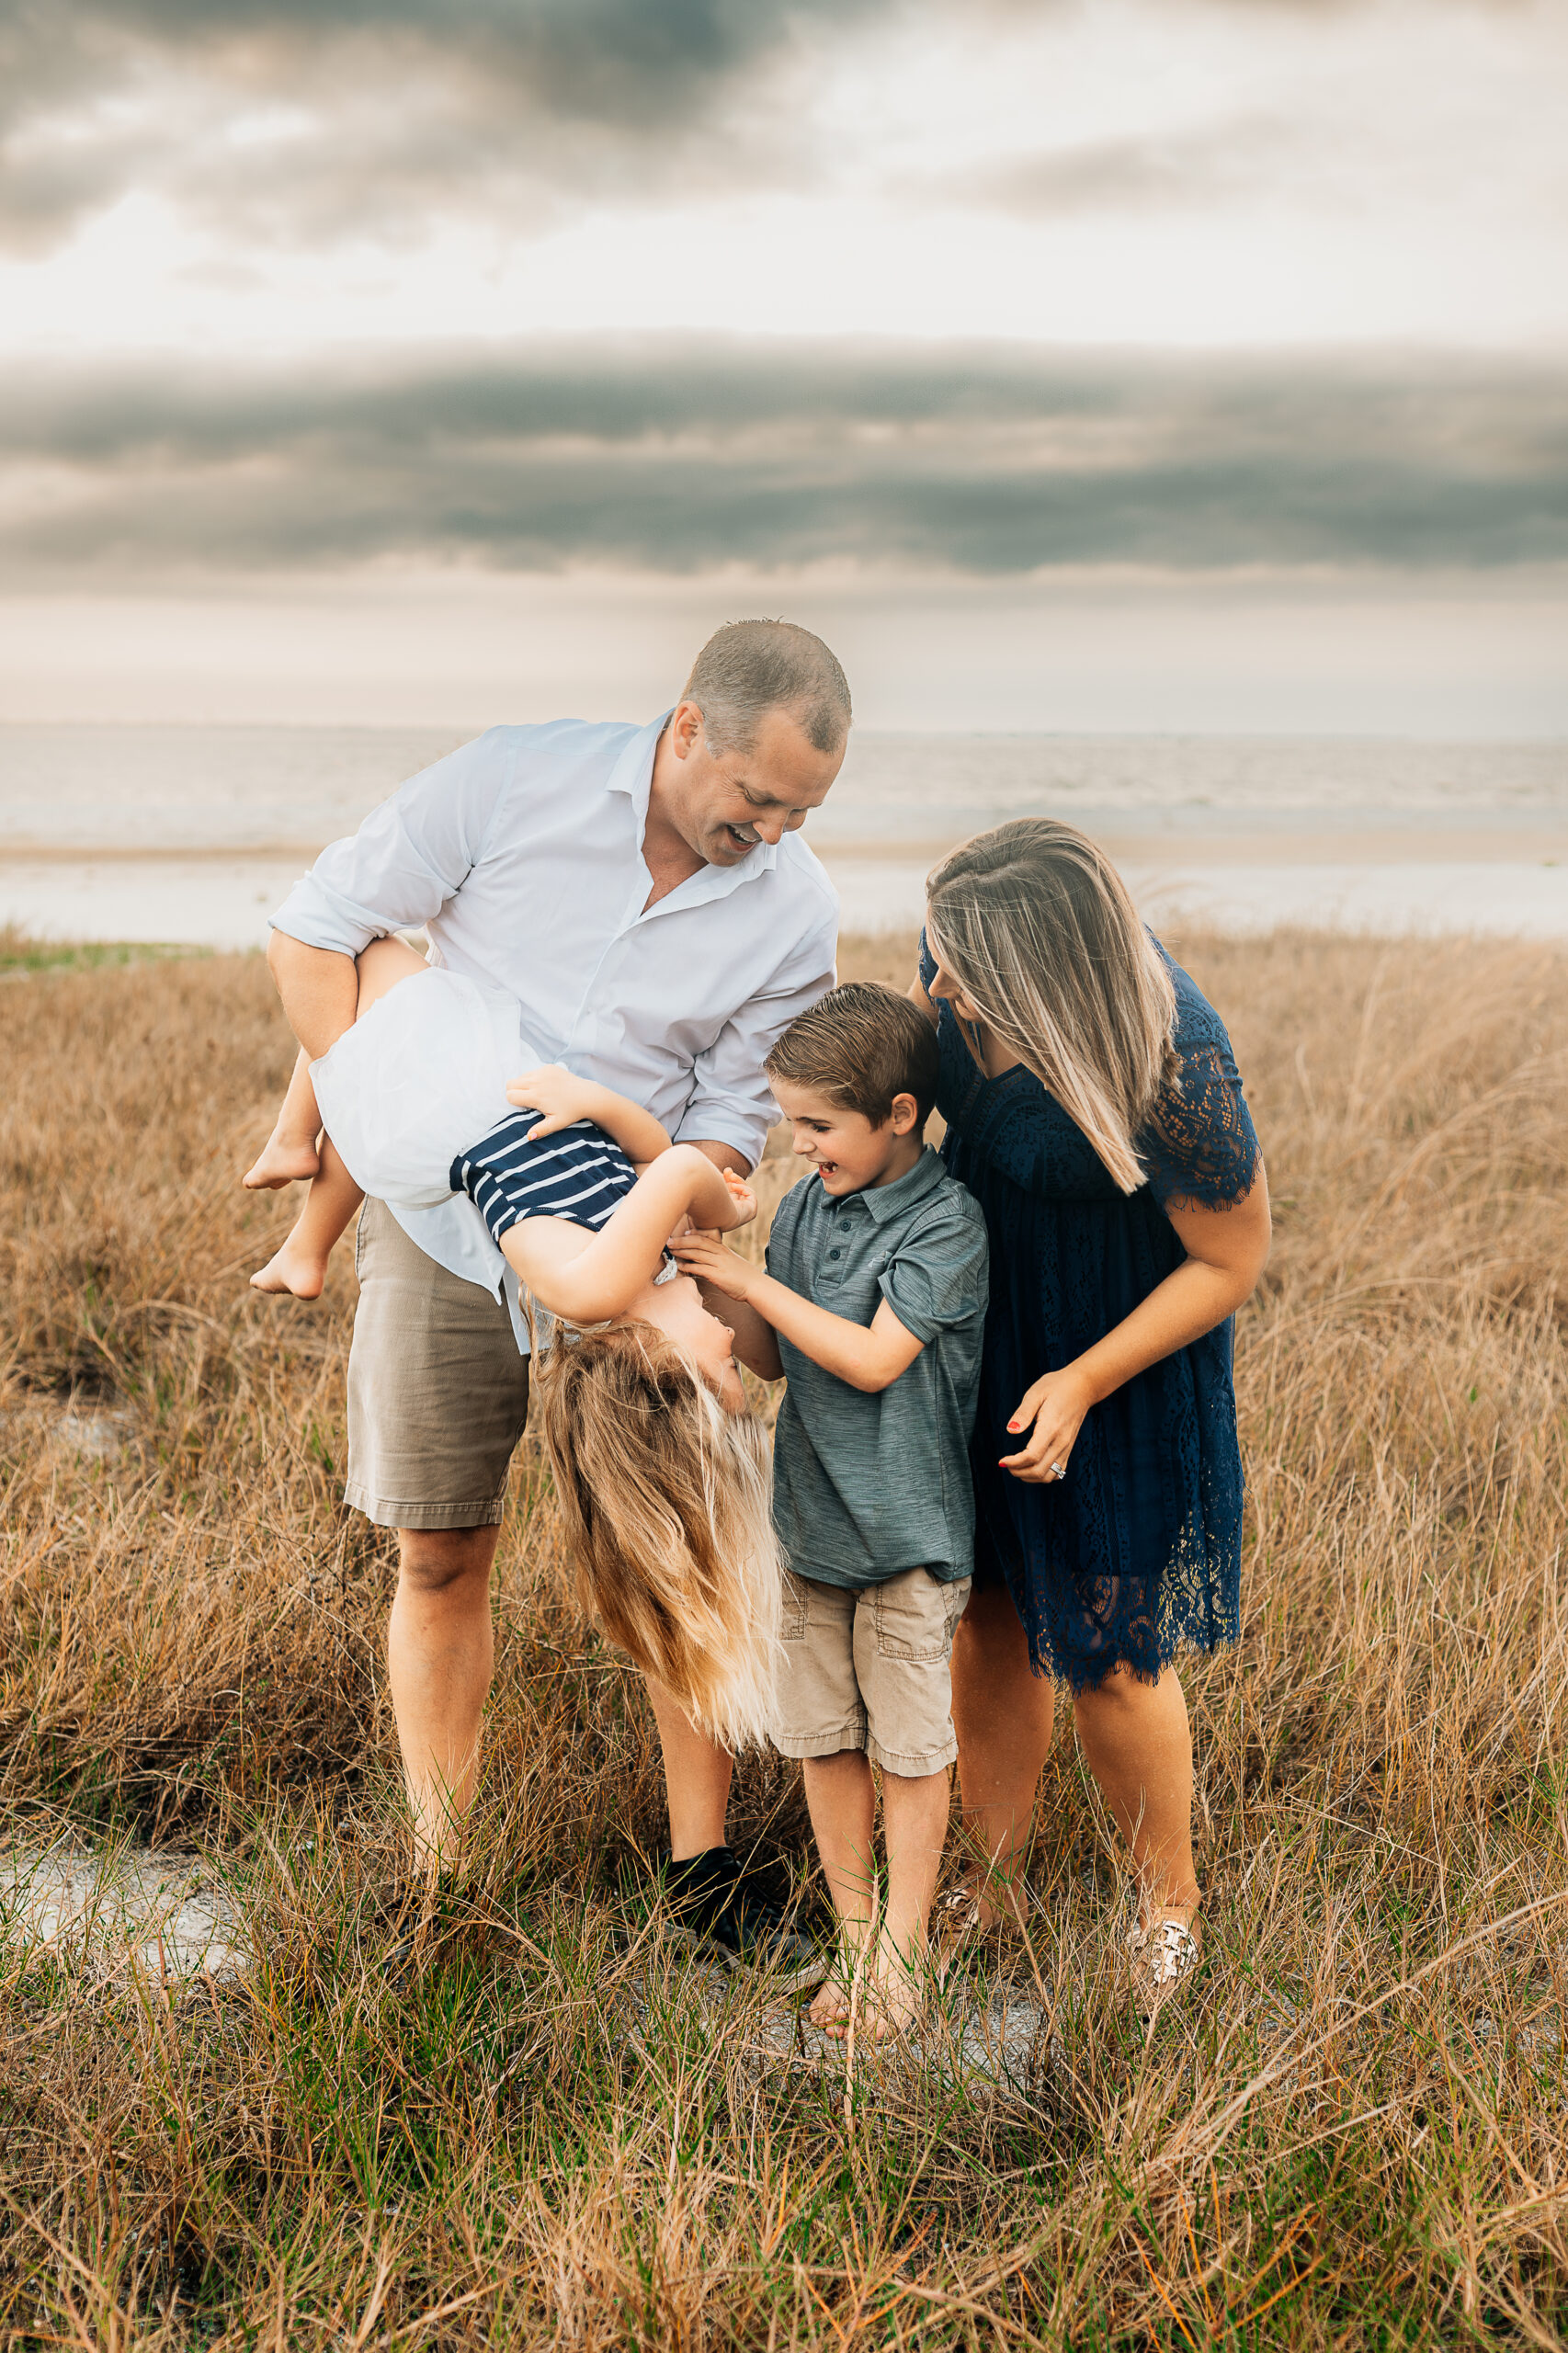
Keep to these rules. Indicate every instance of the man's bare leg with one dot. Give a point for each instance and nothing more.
(440, 1657)
(290, 1152)
(697, 1777)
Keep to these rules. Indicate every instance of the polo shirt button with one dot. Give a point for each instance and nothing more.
(834, 1254)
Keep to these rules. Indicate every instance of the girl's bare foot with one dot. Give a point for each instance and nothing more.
(281, 1162)
(293, 1268)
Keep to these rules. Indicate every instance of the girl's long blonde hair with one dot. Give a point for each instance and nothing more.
(1035, 925)
(669, 1521)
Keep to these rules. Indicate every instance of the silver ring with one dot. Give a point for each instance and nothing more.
(1057, 1472)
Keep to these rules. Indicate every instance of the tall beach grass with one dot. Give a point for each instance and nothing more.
(1353, 2132)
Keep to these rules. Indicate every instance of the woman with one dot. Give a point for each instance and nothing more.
(1095, 1111)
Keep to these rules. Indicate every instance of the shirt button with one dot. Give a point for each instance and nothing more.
(834, 1254)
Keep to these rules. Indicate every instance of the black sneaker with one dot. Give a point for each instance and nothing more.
(729, 1921)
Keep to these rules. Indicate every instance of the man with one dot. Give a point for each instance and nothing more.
(643, 894)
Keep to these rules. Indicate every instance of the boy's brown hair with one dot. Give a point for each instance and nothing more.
(860, 1045)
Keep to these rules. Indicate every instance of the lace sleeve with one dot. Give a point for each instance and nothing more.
(1200, 1147)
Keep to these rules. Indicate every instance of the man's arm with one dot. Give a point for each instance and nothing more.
(729, 1105)
(320, 989)
(722, 1155)
(410, 855)
(868, 1357)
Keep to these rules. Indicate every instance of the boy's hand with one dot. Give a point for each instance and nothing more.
(704, 1255)
(742, 1195)
(562, 1096)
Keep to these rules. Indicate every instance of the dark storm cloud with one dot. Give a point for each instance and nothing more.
(511, 105)
(411, 99)
(985, 460)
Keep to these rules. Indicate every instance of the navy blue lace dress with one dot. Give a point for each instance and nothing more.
(1137, 1552)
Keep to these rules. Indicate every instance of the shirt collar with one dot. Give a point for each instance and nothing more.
(634, 775)
(883, 1201)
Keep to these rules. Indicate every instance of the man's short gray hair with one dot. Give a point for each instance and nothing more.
(748, 668)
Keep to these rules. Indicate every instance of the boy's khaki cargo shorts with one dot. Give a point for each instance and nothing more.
(868, 1668)
(437, 1388)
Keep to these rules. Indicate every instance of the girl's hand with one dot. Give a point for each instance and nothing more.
(1056, 1405)
(704, 1255)
(742, 1195)
(563, 1097)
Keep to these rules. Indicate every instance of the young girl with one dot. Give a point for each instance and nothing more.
(661, 1473)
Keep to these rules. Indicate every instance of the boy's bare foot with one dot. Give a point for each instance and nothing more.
(888, 2001)
(293, 1268)
(831, 2008)
(281, 1163)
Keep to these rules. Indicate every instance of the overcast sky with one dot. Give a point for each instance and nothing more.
(1109, 363)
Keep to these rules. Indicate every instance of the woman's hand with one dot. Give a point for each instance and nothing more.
(704, 1255)
(563, 1097)
(1056, 1405)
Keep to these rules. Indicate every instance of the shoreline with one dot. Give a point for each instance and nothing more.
(1206, 837)
(1503, 881)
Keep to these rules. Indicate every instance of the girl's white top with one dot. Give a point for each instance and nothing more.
(419, 1079)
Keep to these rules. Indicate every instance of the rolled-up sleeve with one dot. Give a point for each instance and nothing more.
(409, 856)
(730, 1102)
(940, 1275)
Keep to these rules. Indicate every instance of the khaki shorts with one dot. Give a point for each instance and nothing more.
(867, 1667)
(437, 1389)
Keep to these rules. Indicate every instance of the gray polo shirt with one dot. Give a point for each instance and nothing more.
(866, 1487)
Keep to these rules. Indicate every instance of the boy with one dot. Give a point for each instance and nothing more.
(873, 1307)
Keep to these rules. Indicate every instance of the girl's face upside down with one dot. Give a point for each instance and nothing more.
(676, 1308)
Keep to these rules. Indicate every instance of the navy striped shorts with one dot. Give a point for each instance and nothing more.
(579, 1173)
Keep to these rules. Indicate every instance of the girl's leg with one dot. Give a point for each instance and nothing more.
(290, 1152)
(1138, 1745)
(301, 1265)
(1002, 1714)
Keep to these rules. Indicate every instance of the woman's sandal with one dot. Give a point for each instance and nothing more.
(961, 1926)
(1163, 1956)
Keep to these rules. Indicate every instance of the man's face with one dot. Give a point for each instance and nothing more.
(724, 803)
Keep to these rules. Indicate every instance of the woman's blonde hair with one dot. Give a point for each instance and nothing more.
(1035, 925)
(666, 1502)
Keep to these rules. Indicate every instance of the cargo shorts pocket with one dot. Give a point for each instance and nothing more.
(792, 1610)
(915, 1616)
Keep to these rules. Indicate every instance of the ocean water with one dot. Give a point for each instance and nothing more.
(246, 787)
(194, 833)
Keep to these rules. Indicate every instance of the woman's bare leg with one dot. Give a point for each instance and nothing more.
(1138, 1745)
(301, 1265)
(290, 1152)
(1003, 1715)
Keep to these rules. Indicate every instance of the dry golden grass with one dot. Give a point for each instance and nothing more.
(1354, 2133)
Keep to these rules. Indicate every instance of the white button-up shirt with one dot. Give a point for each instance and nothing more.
(521, 854)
